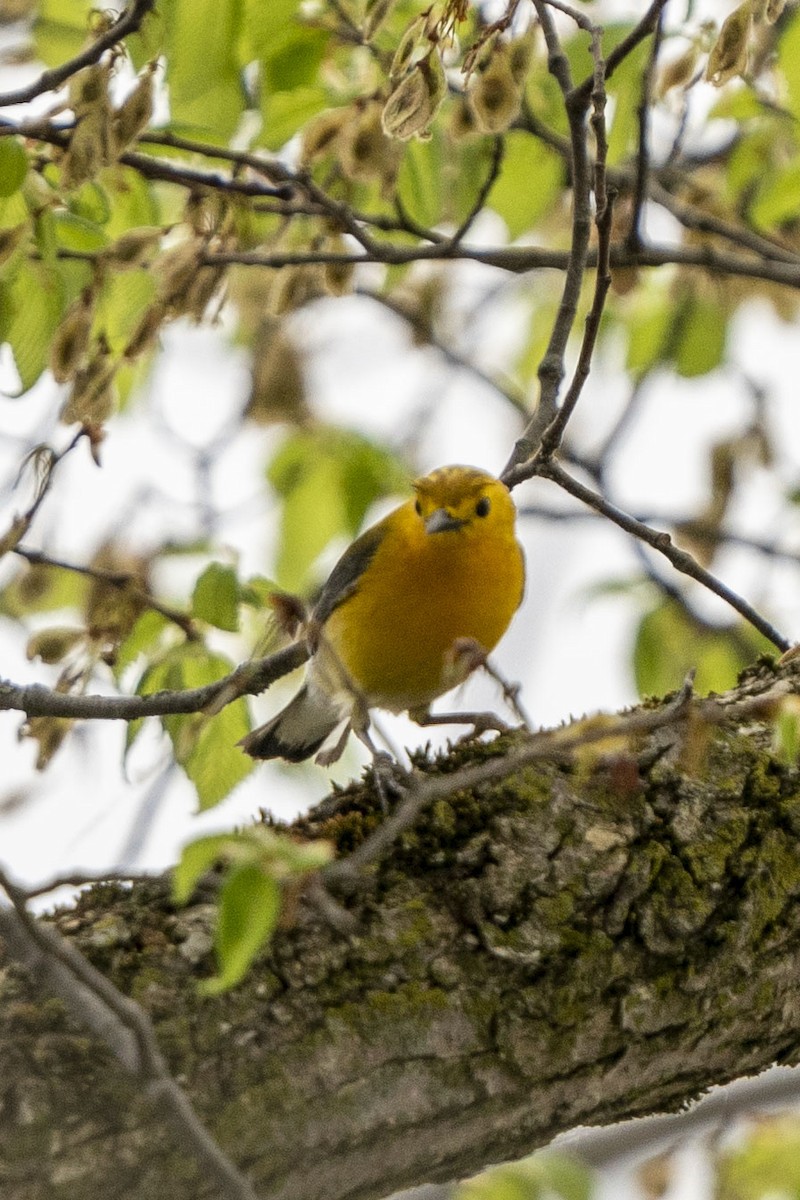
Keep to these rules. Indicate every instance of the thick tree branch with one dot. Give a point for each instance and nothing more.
(122, 1025)
(536, 951)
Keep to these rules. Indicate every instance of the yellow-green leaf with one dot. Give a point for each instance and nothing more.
(249, 906)
(528, 184)
(216, 597)
(13, 165)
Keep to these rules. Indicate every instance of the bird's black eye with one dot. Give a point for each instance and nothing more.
(483, 506)
(418, 508)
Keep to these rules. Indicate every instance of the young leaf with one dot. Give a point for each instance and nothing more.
(528, 184)
(13, 165)
(249, 905)
(216, 597)
(203, 71)
(196, 859)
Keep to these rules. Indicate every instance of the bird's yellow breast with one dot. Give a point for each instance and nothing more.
(420, 593)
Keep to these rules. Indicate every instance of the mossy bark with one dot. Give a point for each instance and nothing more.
(573, 944)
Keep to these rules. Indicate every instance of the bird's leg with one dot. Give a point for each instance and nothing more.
(481, 722)
(467, 655)
(387, 772)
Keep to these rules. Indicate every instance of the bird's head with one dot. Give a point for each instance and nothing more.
(463, 499)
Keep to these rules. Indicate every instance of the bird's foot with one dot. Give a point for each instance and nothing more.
(481, 722)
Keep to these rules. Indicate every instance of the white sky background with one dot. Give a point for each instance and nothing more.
(571, 653)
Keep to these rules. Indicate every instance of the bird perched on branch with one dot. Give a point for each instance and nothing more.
(409, 610)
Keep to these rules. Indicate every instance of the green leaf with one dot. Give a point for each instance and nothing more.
(625, 87)
(767, 1164)
(76, 233)
(257, 590)
(743, 104)
(196, 859)
(216, 764)
(13, 210)
(40, 589)
(146, 45)
(205, 747)
(776, 201)
(327, 480)
(203, 72)
(92, 202)
(293, 58)
(670, 642)
(145, 636)
(702, 332)
(284, 113)
(529, 183)
(132, 199)
(13, 165)
(279, 854)
(36, 296)
(249, 906)
(122, 301)
(786, 732)
(542, 1177)
(650, 323)
(61, 29)
(420, 179)
(216, 597)
(789, 61)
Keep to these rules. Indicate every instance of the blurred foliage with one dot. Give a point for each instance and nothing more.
(260, 867)
(765, 1163)
(670, 641)
(546, 1176)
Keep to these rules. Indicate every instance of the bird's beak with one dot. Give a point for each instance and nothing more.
(440, 520)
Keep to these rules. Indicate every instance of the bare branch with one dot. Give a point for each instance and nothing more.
(129, 22)
(551, 438)
(634, 235)
(422, 328)
(123, 580)
(249, 679)
(661, 541)
(123, 1026)
(421, 790)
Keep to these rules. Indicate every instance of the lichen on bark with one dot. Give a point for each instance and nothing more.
(574, 943)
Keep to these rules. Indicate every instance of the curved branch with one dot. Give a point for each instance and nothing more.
(247, 680)
(129, 22)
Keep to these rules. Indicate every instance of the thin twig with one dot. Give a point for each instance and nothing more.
(124, 580)
(551, 367)
(689, 526)
(77, 879)
(552, 435)
(129, 22)
(124, 1027)
(421, 790)
(634, 234)
(628, 44)
(661, 541)
(422, 328)
(495, 166)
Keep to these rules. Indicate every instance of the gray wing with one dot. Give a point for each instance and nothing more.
(343, 579)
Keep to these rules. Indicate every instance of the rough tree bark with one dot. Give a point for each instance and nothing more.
(576, 943)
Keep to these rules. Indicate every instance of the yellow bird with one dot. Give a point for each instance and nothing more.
(405, 613)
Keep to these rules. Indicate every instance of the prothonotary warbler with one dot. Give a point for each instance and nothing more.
(443, 570)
